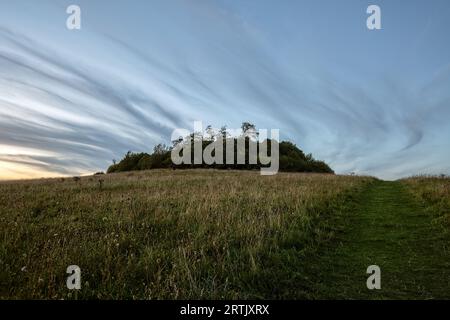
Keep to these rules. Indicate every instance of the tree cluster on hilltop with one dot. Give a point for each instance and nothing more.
(291, 158)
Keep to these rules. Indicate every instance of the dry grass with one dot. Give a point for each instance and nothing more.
(434, 193)
(166, 234)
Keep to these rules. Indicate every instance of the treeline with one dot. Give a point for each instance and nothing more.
(291, 158)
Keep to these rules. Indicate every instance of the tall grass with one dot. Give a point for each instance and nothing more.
(167, 234)
(434, 193)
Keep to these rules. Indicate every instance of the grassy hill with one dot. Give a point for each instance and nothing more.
(224, 234)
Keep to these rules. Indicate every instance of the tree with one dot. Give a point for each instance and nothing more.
(291, 157)
(223, 132)
(177, 141)
(160, 149)
(210, 133)
(249, 130)
(145, 163)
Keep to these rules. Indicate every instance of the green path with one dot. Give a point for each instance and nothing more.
(389, 229)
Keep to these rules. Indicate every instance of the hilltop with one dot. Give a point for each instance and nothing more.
(291, 158)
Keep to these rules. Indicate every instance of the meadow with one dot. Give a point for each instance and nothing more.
(163, 234)
(434, 193)
(224, 234)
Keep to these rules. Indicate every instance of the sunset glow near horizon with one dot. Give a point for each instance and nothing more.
(373, 102)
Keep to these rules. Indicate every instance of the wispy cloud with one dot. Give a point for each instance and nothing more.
(77, 103)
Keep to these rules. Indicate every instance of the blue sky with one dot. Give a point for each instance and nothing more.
(370, 102)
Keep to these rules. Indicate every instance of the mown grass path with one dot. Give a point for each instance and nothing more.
(389, 228)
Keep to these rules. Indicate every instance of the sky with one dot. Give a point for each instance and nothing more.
(373, 102)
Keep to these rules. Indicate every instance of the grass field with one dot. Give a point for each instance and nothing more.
(206, 234)
(434, 193)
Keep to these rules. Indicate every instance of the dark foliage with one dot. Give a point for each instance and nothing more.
(292, 159)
